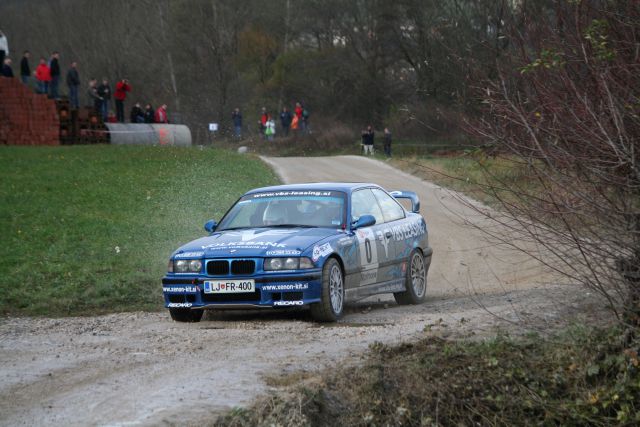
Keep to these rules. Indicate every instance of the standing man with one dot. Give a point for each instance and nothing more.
(236, 116)
(122, 87)
(73, 83)
(25, 69)
(92, 95)
(4, 47)
(285, 121)
(367, 140)
(263, 122)
(43, 76)
(6, 71)
(104, 90)
(387, 142)
(54, 68)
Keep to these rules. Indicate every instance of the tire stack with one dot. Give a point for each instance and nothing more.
(26, 118)
(80, 126)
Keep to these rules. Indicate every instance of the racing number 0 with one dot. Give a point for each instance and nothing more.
(367, 249)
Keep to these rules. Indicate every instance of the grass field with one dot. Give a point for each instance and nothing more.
(89, 229)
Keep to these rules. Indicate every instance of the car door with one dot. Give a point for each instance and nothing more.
(373, 254)
(394, 219)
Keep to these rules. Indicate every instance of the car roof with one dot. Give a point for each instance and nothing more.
(346, 187)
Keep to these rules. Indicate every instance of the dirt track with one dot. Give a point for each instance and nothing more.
(143, 369)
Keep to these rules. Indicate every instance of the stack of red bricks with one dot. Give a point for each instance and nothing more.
(26, 118)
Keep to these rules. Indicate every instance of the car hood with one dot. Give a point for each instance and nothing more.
(255, 242)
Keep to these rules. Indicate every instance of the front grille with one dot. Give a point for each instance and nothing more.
(243, 297)
(218, 268)
(243, 267)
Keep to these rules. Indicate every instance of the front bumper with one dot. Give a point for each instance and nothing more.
(271, 290)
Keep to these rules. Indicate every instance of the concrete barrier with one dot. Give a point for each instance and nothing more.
(148, 134)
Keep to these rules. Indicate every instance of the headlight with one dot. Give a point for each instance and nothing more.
(271, 264)
(185, 266)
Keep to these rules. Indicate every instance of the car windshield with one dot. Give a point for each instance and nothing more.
(287, 209)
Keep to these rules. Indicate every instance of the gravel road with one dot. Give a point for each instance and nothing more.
(144, 369)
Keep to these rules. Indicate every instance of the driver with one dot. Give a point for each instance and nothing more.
(275, 214)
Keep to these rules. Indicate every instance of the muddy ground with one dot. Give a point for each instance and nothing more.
(144, 369)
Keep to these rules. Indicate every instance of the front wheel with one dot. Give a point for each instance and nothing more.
(415, 282)
(186, 315)
(331, 304)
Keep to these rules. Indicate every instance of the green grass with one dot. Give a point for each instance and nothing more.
(580, 377)
(89, 229)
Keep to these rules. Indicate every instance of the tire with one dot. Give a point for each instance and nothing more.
(186, 315)
(331, 306)
(415, 282)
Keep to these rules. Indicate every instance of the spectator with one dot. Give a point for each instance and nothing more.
(137, 115)
(236, 116)
(149, 114)
(367, 140)
(104, 90)
(122, 87)
(285, 121)
(43, 76)
(111, 117)
(270, 129)
(92, 95)
(387, 142)
(25, 69)
(73, 83)
(4, 47)
(305, 120)
(7, 71)
(263, 121)
(161, 114)
(54, 69)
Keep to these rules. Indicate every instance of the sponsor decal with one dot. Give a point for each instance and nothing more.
(286, 287)
(180, 289)
(321, 251)
(283, 252)
(179, 305)
(407, 231)
(291, 193)
(287, 303)
(344, 241)
(243, 245)
(384, 239)
(189, 255)
(246, 240)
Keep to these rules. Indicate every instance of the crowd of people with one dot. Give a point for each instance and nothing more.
(298, 120)
(368, 137)
(99, 96)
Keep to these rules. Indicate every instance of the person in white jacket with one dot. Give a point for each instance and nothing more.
(4, 47)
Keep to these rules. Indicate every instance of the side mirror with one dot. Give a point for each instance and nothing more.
(210, 226)
(364, 221)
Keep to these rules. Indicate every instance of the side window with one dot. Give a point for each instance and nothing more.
(391, 209)
(363, 202)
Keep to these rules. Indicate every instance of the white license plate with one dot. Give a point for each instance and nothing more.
(229, 286)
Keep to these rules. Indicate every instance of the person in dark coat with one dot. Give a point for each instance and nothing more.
(54, 69)
(387, 142)
(73, 83)
(104, 90)
(367, 140)
(7, 71)
(149, 114)
(236, 116)
(285, 120)
(25, 69)
(137, 115)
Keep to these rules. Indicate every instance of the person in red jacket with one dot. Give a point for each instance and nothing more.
(161, 114)
(122, 87)
(43, 75)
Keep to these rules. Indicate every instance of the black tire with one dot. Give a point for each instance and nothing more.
(415, 281)
(328, 309)
(186, 315)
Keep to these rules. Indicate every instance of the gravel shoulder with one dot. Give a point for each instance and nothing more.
(144, 369)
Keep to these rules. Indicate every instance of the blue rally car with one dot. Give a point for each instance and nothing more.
(316, 245)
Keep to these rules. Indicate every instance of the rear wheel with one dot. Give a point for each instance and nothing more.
(331, 306)
(186, 315)
(415, 282)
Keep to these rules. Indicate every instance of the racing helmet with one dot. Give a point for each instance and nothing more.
(275, 213)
